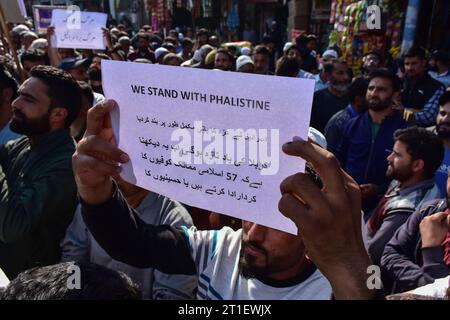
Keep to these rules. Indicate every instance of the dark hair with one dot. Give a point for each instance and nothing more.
(441, 56)
(7, 81)
(86, 91)
(294, 46)
(287, 67)
(186, 41)
(375, 53)
(358, 88)
(262, 50)
(445, 98)
(168, 45)
(329, 66)
(170, 56)
(415, 52)
(226, 52)
(63, 90)
(385, 74)
(143, 35)
(51, 283)
(422, 144)
(171, 40)
(267, 40)
(202, 32)
(311, 37)
(33, 55)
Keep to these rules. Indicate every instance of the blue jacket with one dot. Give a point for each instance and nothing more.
(405, 264)
(364, 157)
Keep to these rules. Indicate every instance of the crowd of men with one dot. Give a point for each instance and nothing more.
(378, 153)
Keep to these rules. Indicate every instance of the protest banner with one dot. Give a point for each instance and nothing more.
(209, 139)
(78, 29)
(9, 44)
(13, 10)
(43, 17)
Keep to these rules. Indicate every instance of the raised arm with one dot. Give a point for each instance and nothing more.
(329, 220)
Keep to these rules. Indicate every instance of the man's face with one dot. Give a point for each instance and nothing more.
(142, 44)
(379, 94)
(222, 62)
(31, 109)
(66, 53)
(371, 62)
(188, 48)
(443, 121)
(339, 77)
(261, 63)
(269, 253)
(247, 68)
(400, 163)
(294, 53)
(202, 39)
(79, 74)
(173, 62)
(125, 46)
(311, 44)
(415, 67)
(28, 65)
(95, 69)
(214, 41)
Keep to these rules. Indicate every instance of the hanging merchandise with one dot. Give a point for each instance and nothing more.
(351, 33)
(233, 18)
(207, 8)
(189, 4)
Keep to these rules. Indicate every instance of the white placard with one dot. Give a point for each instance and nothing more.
(78, 29)
(180, 128)
(4, 281)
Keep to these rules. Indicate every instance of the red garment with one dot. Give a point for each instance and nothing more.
(377, 216)
(446, 245)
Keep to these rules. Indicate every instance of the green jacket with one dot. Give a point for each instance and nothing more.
(38, 198)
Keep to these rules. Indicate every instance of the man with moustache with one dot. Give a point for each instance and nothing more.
(443, 131)
(419, 252)
(329, 101)
(95, 74)
(420, 94)
(368, 137)
(416, 155)
(37, 186)
(224, 60)
(255, 262)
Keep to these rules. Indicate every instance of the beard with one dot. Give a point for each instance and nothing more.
(379, 105)
(95, 74)
(399, 175)
(441, 131)
(340, 87)
(23, 125)
(247, 266)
